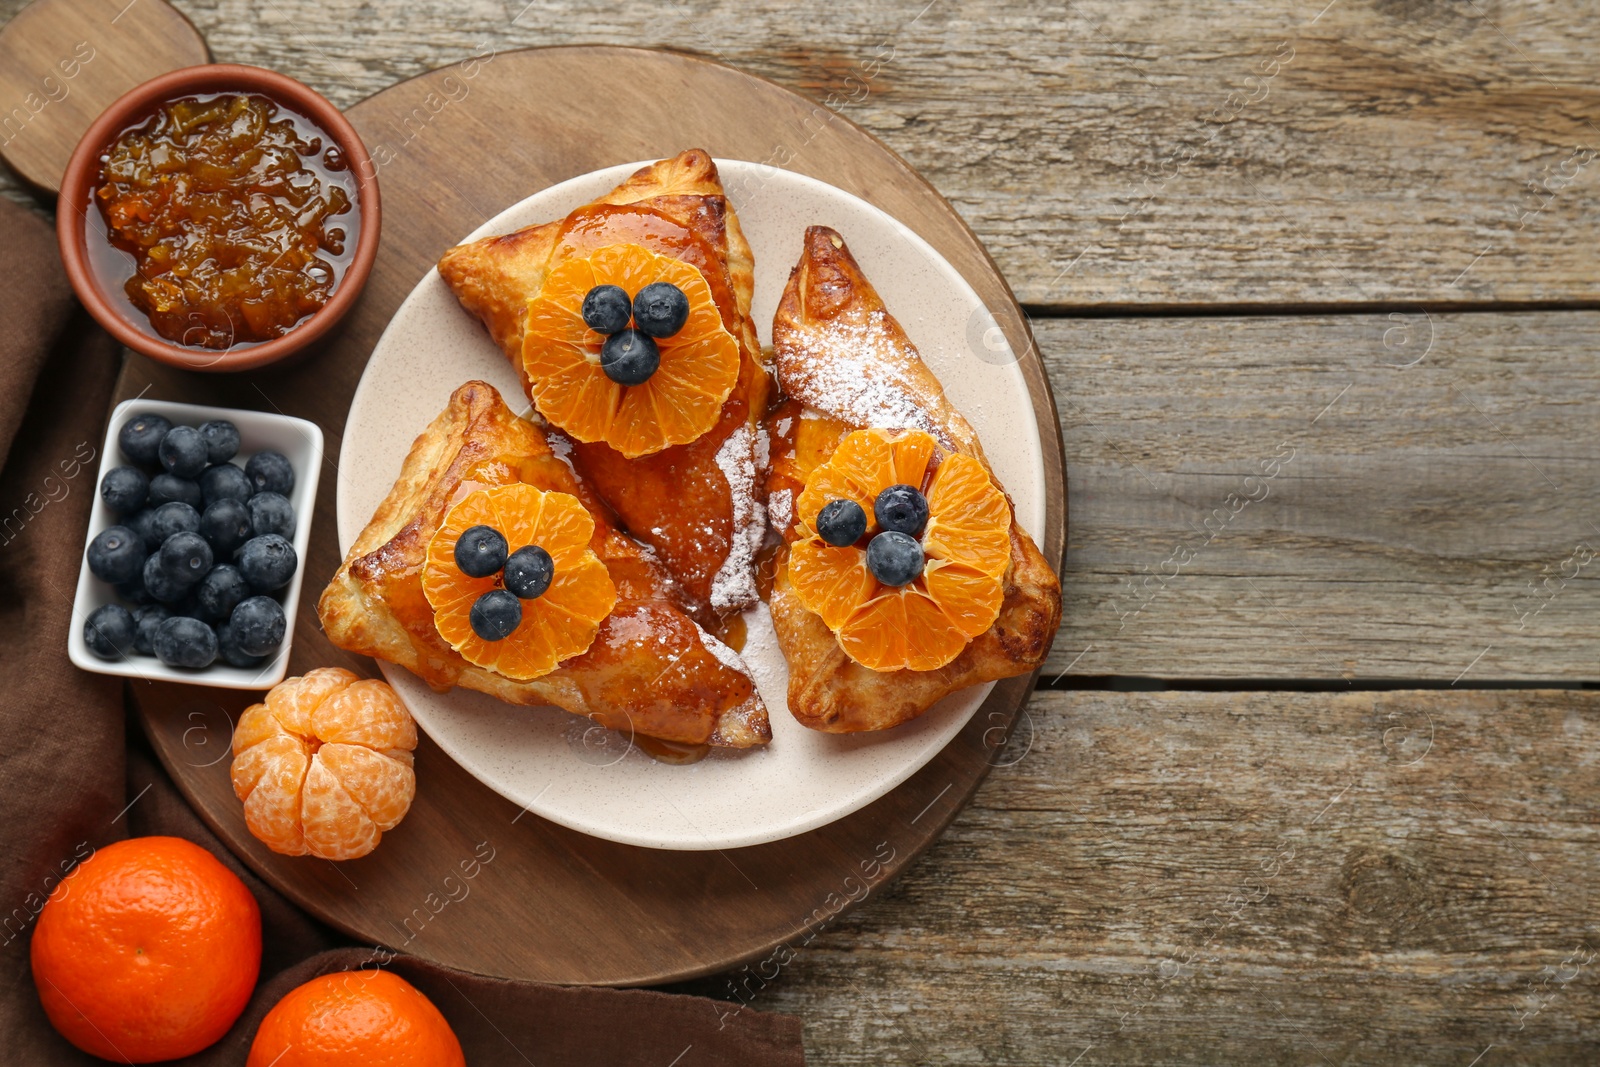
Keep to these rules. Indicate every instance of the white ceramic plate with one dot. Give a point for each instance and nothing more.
(558, 765)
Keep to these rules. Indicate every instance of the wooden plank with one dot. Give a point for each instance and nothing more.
(1123, 155)
(65, 61)
(1364, 496)
(1237, 878)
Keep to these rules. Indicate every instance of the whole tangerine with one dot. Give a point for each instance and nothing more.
(372, 1018)
(147, 951)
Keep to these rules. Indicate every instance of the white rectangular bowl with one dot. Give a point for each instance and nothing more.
(300, 441)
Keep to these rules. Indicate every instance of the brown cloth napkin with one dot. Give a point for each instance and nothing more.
(75, 774)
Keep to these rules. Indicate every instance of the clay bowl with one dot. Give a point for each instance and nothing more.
(97, 270)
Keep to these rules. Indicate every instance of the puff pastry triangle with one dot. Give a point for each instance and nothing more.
(845, 364)
(695, 503)
(651, 670)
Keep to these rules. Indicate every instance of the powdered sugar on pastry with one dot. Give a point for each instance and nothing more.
(843, 374)
(724, 653)
(735, 583)
(780, 510)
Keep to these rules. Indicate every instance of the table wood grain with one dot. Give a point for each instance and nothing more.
(1362, 230)
(1116, 155)
(1205, 878)
(1341, 499)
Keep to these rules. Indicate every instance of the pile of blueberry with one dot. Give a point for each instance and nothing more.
(525, 574)
(200, 547)
(894, 555)
(630, 356)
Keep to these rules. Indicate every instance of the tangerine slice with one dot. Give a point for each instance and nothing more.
(969, 521)
(903, 629)
(966, 543)
(561, 356)
(557, 625)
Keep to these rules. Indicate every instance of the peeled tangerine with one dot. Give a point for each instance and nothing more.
(324, 767)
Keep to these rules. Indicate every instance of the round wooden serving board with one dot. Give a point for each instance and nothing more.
(468, 879)
(62, 62)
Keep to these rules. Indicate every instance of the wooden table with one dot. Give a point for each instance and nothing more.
(1316, 777)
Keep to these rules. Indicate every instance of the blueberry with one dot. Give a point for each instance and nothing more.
(133, 591)
(225, 482)
(629, 357)
(841, 522)
(902, 509)
(183, 452)
(267, 562)
(140, 438)
(232, 654)
(270, 472)
(220, 591)
(225, 526)
(110, 632)
(116, 554)
(894, 558)
(124, 489)
(660, 309)
(258, 626)
(184, 642)
(271, 513)
(147, 619)
(169, 488)
(159, 586)
(495, 614)
(175, 517)
(480, 551)
(606, 309)
(185, 557)
(221, 438)
(528, 572)
(143, 524)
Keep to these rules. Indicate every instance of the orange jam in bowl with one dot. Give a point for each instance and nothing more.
(228, 218)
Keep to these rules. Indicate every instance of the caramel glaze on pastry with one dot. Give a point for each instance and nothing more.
(845, 364)
(651, 669)
(695, 504)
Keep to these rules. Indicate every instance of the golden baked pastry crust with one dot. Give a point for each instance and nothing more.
(680, 500)
(651, 669)
(845, 364)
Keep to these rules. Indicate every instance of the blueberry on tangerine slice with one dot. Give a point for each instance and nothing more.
(495, 615)
(480, 551)
(660, 309)
(606, 309)
(902, 509)
(841, 522)
(894, 558)
(629, 357)
(529, 572)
